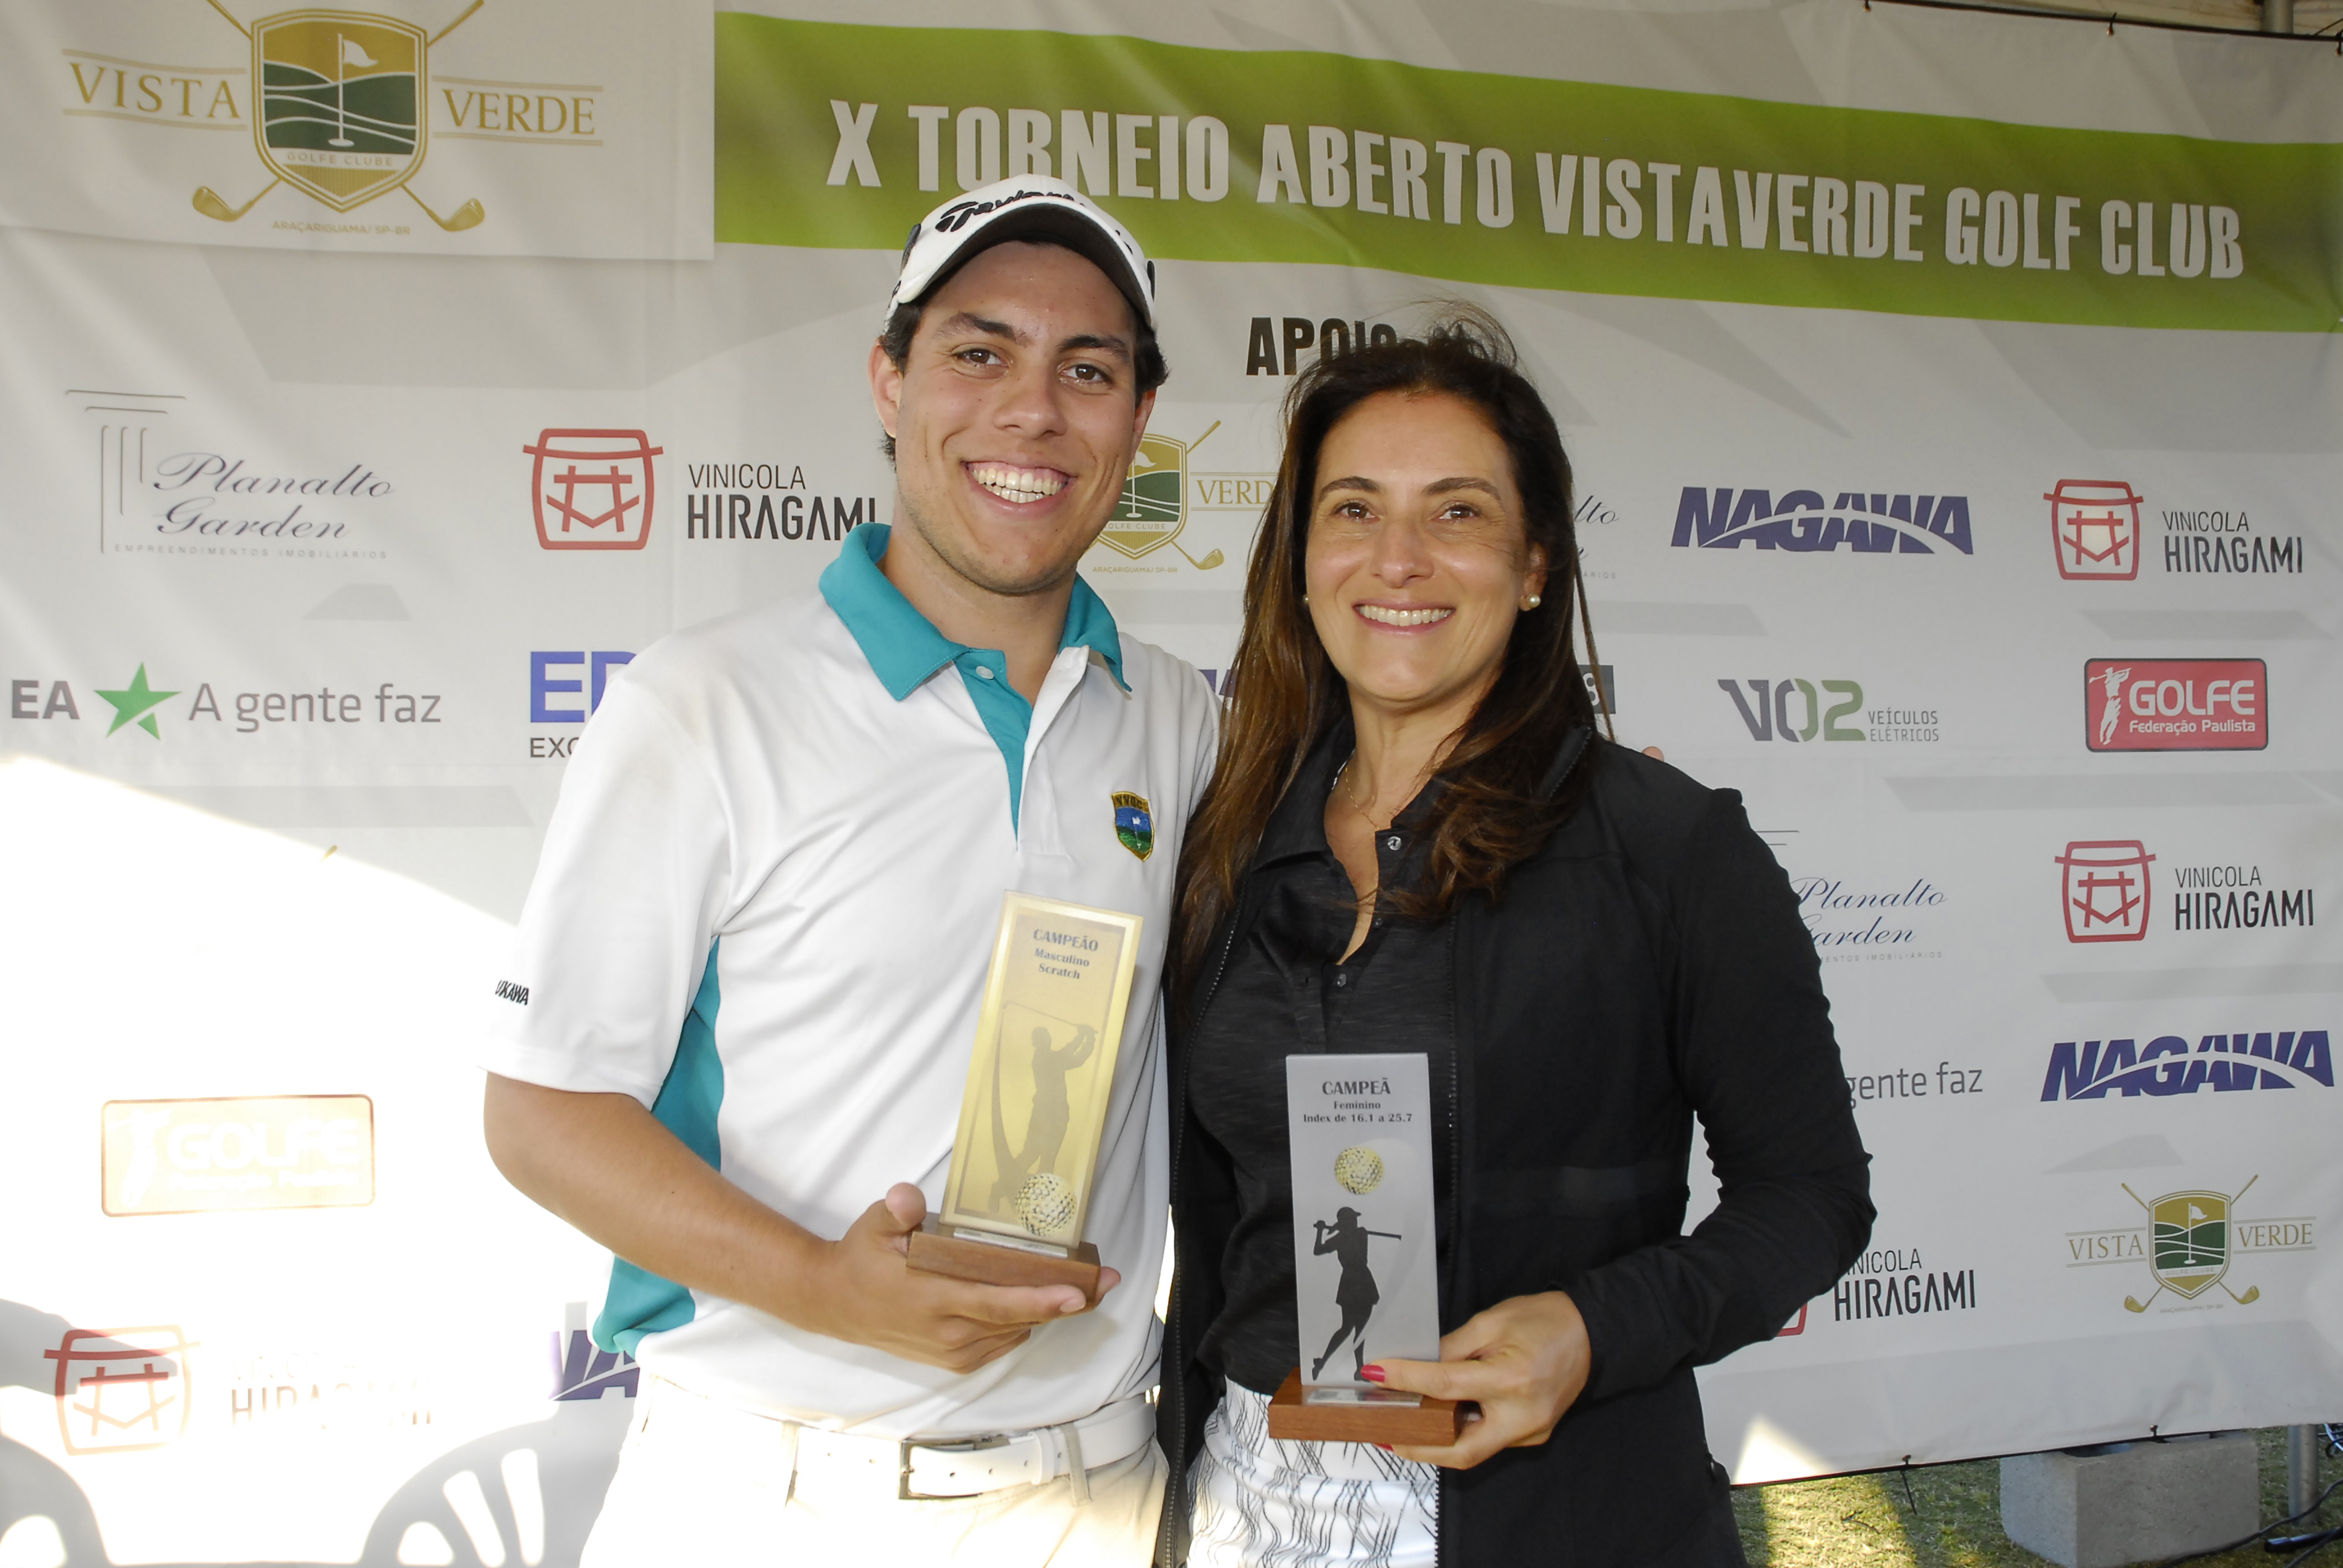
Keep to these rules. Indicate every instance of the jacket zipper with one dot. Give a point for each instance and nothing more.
(1455, 1198)
(1441, 1535)
(1173, 1363)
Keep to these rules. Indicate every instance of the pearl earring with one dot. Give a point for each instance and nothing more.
(1534, 600)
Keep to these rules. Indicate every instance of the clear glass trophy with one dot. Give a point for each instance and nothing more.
(1365, 1255)
(1038, 1080)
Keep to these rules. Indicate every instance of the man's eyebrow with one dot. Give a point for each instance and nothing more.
(1118, 347)
(969, 321)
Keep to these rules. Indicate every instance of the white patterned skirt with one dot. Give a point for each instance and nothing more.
(1263, 1503)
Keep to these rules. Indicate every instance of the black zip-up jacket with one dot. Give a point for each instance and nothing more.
(1646, 965)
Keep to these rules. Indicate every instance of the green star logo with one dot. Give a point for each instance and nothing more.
(135, 704)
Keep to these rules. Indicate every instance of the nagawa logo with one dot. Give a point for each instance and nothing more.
(2189, 1245)
(121, 1390)
(615, 488)
(2226, 1063)
(1866, 524)
(2095, 529)
(2104, 892)
(1153, 505)
(588, 1372)
(342, 110)
(2176, 704)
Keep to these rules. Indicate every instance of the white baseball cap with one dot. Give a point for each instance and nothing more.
(1029, 207)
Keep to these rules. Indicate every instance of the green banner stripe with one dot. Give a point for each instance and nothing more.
(2259, 222)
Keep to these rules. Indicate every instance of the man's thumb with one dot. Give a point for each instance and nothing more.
(906, 1206)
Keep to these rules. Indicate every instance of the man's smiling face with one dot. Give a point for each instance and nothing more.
(1015, 414)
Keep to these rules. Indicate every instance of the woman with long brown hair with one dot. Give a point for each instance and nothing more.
(1416, 842)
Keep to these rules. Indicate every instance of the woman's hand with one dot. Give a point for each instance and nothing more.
(1523, 1360)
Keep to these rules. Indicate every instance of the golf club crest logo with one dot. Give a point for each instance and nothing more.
(1134, 823)
(2189, 1245)
(342, 110)
(1152, 507)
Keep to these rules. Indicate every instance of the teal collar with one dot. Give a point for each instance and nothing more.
(903, 646)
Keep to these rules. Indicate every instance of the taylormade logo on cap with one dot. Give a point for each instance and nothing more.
(1035, 206)
(954, 218)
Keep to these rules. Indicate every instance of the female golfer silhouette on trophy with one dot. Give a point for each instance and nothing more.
(1356, 1293)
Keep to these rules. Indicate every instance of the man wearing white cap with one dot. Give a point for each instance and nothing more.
(734, 1036)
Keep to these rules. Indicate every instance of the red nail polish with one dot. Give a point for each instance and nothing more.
(1372, 1374)
(1385, 1446)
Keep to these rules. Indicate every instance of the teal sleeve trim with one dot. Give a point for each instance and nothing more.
(640, 1302)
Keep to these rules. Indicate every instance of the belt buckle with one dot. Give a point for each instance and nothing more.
(903, 1492)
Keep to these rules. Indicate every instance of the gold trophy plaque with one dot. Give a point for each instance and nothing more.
(1039, 1081)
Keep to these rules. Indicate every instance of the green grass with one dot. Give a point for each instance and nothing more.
(1950, 1517)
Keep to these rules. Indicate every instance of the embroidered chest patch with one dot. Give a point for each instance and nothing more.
(1133, 823)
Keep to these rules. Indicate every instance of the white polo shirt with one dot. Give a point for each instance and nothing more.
(766, 908)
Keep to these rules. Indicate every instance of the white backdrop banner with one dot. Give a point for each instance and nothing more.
(1955, 407)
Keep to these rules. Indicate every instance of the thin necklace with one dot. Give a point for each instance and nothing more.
(1342, 782)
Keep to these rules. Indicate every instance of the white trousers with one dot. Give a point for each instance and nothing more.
(707, 1485)
(1265, 1503)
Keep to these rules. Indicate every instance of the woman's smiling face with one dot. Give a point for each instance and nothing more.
(1418, 556)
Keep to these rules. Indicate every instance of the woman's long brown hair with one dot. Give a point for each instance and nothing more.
(1283, 694)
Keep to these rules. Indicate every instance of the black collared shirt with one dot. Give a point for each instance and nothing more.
(1285, 992)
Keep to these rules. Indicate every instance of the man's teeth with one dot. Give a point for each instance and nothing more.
(1403, 617)
(1018, 484)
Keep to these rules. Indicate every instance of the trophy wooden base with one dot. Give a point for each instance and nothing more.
(936, 1250)
(1433, 1424)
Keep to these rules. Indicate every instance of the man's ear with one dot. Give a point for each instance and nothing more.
(1139, 419)
(886, 389)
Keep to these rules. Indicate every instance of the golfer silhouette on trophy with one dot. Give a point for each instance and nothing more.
(1045, 1130)
(1356, 1294)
